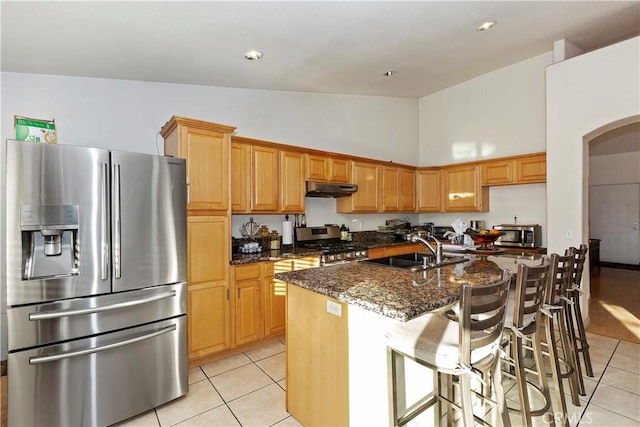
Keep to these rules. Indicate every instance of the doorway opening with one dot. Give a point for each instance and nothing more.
(613, 186)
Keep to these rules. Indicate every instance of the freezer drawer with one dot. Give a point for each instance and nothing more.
(39, 324)
(100, 380)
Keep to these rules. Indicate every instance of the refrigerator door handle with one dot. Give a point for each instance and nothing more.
(117, 261)
(104, 256)
(70, 354)
(56, 314)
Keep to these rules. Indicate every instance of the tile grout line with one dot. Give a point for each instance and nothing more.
(225, 402)
(596, 388)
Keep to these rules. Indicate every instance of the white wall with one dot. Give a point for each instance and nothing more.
(584, 93)
(495, 115)
(621, 168)
(527, 202)
(128, 114)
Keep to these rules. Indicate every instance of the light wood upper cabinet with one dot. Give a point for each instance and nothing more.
(367, 177)
(429, 190)
(208, 285)
(264, 179)
(205, 146)
(407, 190)
(532, 168)
(327, 168)
(515, 170)
(340, 170)
(292, 182)
(318, 167)
(390, 189)
(463, 191)
(499, 172)
(398, 189)
(240, 177)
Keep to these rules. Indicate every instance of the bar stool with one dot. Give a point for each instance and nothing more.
(555, 309)
(574, 292)
(521, 326)
(462, 348)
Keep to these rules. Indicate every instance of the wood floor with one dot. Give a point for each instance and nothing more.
(614, 308)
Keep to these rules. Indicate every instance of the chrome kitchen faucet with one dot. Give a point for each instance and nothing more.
(437, 251)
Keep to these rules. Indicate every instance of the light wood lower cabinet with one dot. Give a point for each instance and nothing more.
(246, 297)
(408, 248)
(208, 284)
(275, 296)
(259, 299)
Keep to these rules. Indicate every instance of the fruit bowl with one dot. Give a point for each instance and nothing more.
(484, 239)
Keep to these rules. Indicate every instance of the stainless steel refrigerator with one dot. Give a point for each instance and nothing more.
(95, 283)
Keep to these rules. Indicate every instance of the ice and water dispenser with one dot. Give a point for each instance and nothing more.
(49, 241)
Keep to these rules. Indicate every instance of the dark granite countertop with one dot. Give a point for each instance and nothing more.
(397, 293)
(301, 252)
(275, 255)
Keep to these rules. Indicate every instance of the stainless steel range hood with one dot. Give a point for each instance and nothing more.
(330, 189)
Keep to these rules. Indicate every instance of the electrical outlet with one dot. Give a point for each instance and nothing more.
(334, 308)
(568, 234)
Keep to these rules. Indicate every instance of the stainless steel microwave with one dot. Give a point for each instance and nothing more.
(520, 235)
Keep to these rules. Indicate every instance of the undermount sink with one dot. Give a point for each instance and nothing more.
(415, 261)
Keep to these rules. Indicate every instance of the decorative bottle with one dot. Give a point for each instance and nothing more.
(344, 232)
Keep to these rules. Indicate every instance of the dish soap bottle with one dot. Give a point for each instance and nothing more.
(344, 232)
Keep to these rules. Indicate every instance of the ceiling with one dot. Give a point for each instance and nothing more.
(308, 46)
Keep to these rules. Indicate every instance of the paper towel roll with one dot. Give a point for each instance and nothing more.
(287, 233)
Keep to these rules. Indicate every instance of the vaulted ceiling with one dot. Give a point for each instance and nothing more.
(309, 46)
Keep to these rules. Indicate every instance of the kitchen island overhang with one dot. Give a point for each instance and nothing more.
(336, 358)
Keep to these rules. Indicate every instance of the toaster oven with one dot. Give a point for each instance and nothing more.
(519, 236)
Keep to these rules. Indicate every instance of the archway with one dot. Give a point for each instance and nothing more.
(613, 293)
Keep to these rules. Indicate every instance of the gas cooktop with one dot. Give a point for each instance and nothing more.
(326, 239)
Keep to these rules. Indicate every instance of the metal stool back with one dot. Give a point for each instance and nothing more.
(462, 348)
(555, 309)
(582, 346)
(521, 328)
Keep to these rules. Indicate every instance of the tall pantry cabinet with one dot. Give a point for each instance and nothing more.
(206, 147)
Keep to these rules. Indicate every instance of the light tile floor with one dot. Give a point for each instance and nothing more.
(249, 390)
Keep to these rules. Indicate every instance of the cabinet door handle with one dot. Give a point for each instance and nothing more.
(238, 293)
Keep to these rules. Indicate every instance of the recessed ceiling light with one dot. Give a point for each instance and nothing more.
(486, 26)
(388, 73)
(253, 55)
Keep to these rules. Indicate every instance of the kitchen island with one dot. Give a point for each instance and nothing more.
(336, 320)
